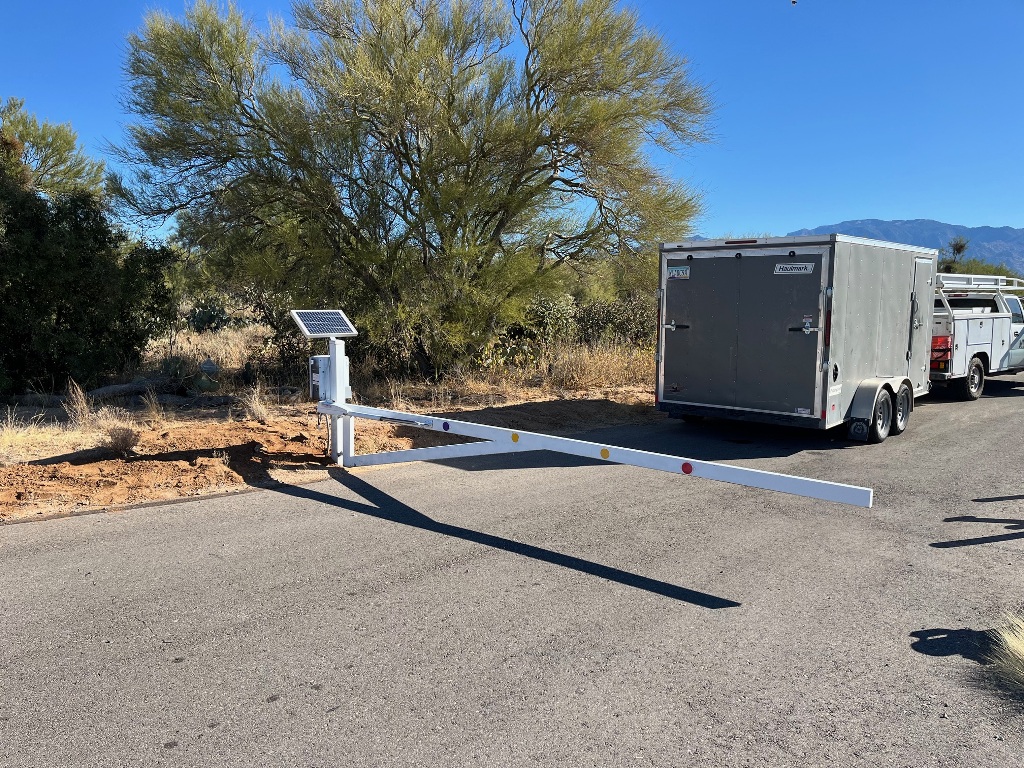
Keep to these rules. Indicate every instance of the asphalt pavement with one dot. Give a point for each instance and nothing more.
(539, 610)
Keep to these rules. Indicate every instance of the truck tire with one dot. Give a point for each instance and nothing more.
(881, 417)
(971, 386)
(901, 410)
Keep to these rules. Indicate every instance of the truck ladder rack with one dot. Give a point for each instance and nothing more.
(978, 282)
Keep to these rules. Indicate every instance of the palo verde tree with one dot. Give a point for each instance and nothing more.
(46, 155)
(429, 164)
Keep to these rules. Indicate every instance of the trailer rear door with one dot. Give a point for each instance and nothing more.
(747, 329)
(700, 319)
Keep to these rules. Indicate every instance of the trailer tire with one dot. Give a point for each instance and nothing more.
(881, 417)
(970, 387)
(901, 410)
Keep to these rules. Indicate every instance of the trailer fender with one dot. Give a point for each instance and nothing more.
(863, 406)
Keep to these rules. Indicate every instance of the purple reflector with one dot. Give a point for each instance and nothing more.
(445, 426)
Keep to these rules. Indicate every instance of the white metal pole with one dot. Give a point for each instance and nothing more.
(342, 427)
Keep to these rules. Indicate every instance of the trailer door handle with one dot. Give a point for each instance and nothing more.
(805, 328)
(673, 326)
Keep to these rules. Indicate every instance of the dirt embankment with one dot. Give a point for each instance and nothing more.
(191, 453)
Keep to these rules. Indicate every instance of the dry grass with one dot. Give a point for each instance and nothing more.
(255, 405)
(154, 411)
(563, 371)
(77, 406)
(1008, 652)
(599, 366)
(27, 437)
(230, 348)
(13, 433)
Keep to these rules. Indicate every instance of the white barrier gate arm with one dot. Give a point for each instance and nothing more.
(500, 440)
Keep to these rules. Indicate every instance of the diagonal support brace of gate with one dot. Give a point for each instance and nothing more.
(493, 440)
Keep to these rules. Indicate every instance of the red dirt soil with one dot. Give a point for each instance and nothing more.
(201, 452)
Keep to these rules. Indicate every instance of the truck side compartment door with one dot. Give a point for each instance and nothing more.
(1015, 358)
(1017, 315)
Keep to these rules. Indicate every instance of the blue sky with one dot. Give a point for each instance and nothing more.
(826, 110)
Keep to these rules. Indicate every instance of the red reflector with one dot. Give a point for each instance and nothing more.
(823, 414)
(828, 328)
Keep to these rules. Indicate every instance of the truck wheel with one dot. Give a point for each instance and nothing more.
(904, 404)
(970, 387)
(881, 417)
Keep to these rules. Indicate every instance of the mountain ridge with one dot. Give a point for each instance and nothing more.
(995, 245)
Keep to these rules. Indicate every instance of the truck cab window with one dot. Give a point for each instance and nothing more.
(1015, 309)
(976, 304)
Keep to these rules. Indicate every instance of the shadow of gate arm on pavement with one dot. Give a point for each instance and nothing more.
(382, 506)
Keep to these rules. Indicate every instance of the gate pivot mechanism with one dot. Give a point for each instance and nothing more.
(330, 377)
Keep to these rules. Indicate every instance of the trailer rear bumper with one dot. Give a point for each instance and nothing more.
(678, 410)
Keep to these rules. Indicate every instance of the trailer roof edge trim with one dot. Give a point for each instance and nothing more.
(802, 240)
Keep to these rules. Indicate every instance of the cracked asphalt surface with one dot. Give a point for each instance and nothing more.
(539, 610)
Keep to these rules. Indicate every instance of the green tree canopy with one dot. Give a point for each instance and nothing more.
(44, 156)
(428, 164)
(77, 298)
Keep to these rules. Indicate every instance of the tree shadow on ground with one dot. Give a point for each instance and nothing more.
(978, 646)
(378, 504)
(971, 644)
(1009, 524)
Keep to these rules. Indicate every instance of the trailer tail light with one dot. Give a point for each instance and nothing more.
(828, 328)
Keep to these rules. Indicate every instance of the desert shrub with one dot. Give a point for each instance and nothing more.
(118, 427)
(629, 319)
(553, 320)
(77, 298)
(1008, 652)
(121, 439)
(208, 314)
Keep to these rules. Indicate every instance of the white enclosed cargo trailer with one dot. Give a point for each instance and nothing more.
(815, 331)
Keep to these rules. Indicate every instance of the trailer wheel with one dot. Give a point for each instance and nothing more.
(904, 404)
(970, 387)
(881, 417)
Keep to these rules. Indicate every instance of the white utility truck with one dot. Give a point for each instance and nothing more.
(977, 331)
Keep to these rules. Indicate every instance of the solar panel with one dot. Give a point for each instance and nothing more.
(323, 323)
